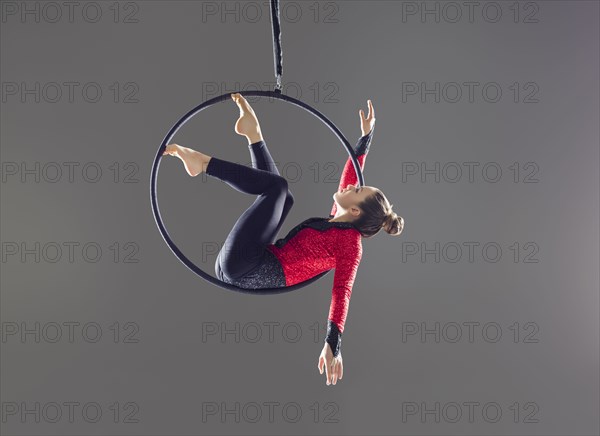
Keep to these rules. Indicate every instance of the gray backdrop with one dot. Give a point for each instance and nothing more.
(481, 318)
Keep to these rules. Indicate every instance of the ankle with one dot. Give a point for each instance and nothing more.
(254, 137)
(205, 161)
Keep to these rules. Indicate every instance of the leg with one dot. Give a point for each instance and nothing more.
(244, 247)
(261, 159)
(260, 223)
(196, 163)
(247, 125)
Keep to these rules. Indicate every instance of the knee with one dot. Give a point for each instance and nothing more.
(218, 271)
(282, 187)
(289, 199)
(280, 184)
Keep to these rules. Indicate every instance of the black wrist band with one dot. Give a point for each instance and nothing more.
(334, 337)
(364, 143)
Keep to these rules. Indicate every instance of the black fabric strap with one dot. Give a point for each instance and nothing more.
(364, 143)
(334, 337)
(277, 55)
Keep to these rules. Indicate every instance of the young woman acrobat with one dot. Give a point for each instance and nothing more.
(251, 258)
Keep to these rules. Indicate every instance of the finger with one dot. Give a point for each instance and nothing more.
(362, 114)
(334, 370)
(341, 371)
(328, 373)
(371, 109)
(320, 364)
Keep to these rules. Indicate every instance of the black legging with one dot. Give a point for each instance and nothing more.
(259, 225)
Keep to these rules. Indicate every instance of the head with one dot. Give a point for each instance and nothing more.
(369, 209)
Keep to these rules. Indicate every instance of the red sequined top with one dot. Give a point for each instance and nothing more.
(317, 245)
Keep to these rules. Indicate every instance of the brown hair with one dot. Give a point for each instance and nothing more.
(376, 214)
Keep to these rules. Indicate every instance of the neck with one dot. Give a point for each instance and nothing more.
(341, 218)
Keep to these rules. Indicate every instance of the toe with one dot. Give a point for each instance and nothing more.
(170, 149)
(243, 101)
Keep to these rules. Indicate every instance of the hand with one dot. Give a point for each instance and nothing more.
(366, 124)
(334, 367)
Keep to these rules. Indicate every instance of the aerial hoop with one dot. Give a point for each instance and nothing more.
(276, 94)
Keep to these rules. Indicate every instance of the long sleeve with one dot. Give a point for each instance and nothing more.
(348, 256)
(348, 176)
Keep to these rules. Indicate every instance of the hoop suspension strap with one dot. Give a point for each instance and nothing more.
(277, 54)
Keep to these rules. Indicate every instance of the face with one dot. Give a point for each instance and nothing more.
(349, 198)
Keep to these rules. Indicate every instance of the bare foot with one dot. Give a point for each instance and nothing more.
(193, 161)
(247, 125)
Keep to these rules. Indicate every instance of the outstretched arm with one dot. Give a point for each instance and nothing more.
(348, 173)
(361, 150)
(348, 256)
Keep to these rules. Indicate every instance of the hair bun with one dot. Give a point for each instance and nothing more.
(392, 224)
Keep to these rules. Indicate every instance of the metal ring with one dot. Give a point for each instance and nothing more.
(167, 140)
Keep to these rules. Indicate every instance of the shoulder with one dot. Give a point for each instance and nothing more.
(349, 243)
